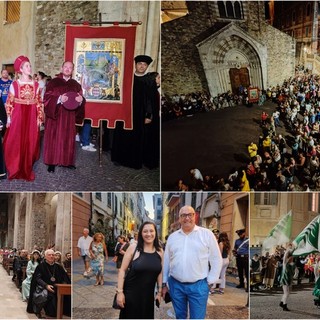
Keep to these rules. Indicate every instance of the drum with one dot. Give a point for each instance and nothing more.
(255, 277)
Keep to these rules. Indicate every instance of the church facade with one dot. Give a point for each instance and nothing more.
(220, 45)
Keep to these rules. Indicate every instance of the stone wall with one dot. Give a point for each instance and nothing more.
(182, 71)
(50, 30)
(281, 56)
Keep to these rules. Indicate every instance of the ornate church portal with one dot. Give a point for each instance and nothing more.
(230, 58)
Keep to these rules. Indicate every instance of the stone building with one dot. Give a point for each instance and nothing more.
(227, 212)
(81, 215)
(267, 209)
(220, 45)
(300, 19)
(37, 28)
(29, 219)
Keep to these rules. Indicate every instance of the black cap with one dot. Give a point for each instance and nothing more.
(240, 231)
(143, 58)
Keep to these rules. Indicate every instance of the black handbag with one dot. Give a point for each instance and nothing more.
(114, 303)
(40, 295)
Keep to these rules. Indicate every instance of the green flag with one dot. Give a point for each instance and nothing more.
(308, 240)
(280, 234)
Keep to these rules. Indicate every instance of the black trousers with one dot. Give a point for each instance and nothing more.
(243, 268)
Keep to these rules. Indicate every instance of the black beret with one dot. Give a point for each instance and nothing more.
(143, 58)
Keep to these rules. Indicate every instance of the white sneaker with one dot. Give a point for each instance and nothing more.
(89, 148)
(77, 138)
(91, 144)
(85, 274)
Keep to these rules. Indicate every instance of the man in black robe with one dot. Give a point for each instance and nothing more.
(47, 275)
(131, 148)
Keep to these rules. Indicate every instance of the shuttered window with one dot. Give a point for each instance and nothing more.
(12, 11)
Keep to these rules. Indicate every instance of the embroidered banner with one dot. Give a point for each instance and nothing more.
(103, 59)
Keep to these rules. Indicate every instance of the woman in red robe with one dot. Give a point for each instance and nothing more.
(21, 145)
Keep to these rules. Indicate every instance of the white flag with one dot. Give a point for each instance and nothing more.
(280, 234)
(308, 240)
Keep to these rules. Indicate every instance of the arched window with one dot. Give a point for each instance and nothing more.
(237, 10)
(222, 9)
(308, 9)
(230, 13)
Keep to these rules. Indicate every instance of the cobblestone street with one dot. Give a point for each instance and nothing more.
(88, 176)
(90, 302)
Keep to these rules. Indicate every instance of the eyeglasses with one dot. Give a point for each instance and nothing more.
(186, 215)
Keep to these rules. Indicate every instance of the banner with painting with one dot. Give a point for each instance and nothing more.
(104, 60)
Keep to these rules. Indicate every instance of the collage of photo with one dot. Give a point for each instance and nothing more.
(159, 159)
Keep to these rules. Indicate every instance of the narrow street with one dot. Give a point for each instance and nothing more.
(264, 304)
(96, 302)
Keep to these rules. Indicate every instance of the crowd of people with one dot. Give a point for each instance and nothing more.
(280, 162)
(37, 272)
(185, 105)
(282, 269)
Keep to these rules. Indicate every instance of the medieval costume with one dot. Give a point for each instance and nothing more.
(60, 129)
(49, 274)
(21, 145)
(132, 148)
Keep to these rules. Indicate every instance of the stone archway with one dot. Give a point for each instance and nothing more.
(232, 48)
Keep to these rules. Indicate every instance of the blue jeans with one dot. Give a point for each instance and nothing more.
(193, 294)
(85, 133)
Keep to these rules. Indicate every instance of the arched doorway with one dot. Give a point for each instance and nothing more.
(239, 77)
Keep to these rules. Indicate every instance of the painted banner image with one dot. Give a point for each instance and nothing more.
(98, 66)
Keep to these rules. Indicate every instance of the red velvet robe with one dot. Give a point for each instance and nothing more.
(21, 145)
(60, 130)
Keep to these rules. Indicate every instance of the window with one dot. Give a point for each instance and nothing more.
(266, 198)
(222, 9)
(98, 196)
(121, 208)
(237, 10)
(230, 13)
(109, 199)
(308, 10)
(194, 200)
(12, 11)
(115, 205)
(230, 9)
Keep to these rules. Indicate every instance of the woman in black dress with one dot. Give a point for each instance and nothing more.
(136, 291)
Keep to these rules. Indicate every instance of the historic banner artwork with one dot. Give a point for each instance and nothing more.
(98, 67)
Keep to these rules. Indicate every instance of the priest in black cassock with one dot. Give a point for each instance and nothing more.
(47, 275)
(134, 148)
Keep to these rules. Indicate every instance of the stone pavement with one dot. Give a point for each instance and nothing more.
(214, 142)
(11, 304)
(88, 176)
(90, 302)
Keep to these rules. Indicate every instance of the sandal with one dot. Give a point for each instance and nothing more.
(97, 283)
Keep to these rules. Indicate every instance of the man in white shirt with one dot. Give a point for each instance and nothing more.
(188, 254)
(83, 250)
